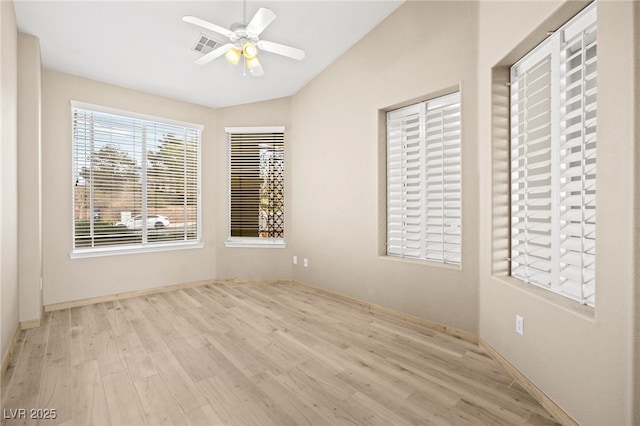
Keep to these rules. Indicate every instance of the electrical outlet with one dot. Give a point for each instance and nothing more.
(295, 260)
(306, 262)
(519, 325)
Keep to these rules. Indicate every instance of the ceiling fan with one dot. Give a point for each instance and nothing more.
(244, 41)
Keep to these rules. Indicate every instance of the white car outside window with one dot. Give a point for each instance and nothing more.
(153, 221)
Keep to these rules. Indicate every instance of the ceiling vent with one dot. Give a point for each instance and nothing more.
(204, 44)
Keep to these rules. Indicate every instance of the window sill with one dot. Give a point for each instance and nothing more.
(255, 243)
(421, 262)
(116, 251)
(547, 296)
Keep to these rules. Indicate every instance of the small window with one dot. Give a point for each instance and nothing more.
(136, 182)
(423, 181)
(553, 161)
(256, 186)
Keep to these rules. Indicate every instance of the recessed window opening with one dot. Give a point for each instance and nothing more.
(423, 181)
(553, 161)
(256, 186)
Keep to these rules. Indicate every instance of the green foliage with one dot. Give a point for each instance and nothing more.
(112, 177)
(172, 174)
(111, 169)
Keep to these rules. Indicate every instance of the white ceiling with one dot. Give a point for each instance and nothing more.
(145, 45)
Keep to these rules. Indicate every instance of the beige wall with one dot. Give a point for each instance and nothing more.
(68, 279)
(29, 182)
(9, 315)
(338, 163)
(250, 263)
(580, 357)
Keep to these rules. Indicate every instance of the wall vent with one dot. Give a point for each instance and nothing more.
(204, 44)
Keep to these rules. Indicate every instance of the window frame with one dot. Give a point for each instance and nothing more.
(133, 248)
(422, 109)
(250, 242)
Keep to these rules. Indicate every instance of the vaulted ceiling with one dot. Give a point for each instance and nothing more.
(145, 45)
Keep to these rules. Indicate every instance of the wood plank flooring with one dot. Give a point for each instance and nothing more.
(248, 354)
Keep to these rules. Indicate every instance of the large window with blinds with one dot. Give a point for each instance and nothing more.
(423, 181)
(256, 186)
(553, 161)
(135, 182)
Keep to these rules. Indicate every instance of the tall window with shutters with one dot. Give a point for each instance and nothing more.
(423, 181)
(135, 182)
(256, 186)
(553, 161)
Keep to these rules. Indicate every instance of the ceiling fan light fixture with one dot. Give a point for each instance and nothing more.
(244, 41)
(255, 68)
(249, 50)
(233, 55)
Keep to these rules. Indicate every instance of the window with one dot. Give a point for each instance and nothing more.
(136, 182)
(256, 186)
(423, 180)
(553, 161)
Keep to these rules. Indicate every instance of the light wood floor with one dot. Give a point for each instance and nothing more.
(247, 354)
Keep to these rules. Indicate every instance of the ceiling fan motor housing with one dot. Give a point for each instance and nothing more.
(240, 34)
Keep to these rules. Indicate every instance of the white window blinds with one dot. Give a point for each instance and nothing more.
(256, 183)
(553, 161)
(135, 181)
(423, 180)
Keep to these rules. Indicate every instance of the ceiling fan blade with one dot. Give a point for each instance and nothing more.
(207, 25)
(215, 53)
(260, 21)
(281, 49)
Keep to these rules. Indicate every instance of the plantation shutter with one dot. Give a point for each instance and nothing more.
(578, 96)
(531, 173)
(442, 180)
(404, 210)
(135, 181)
(553, 158)
(256, 182)
(423, 180)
